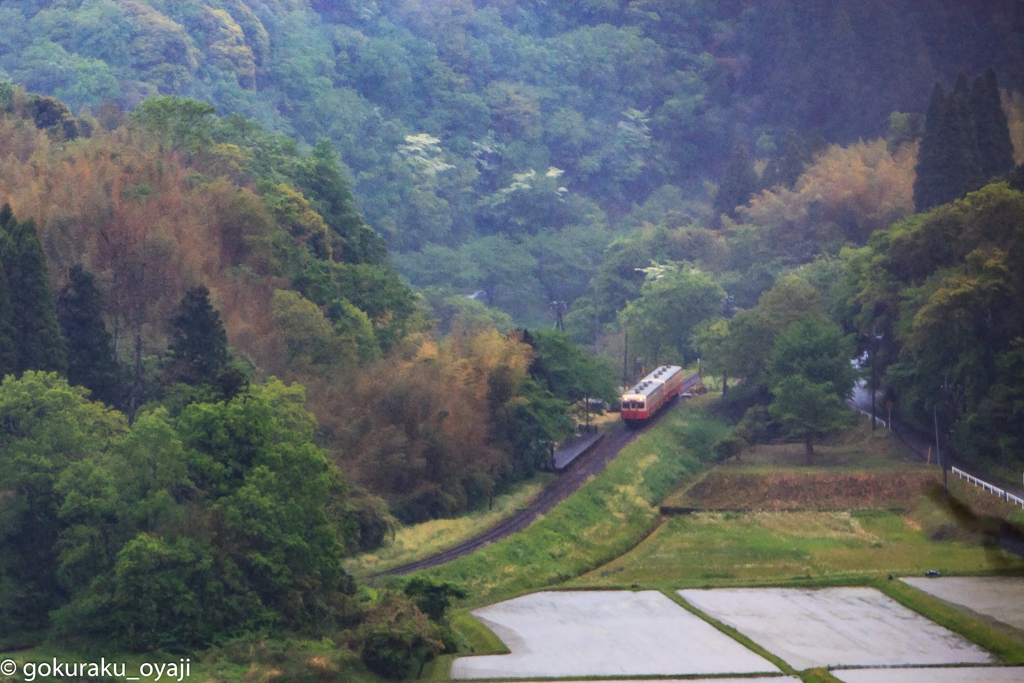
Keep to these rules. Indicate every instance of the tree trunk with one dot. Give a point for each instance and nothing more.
(725, 383)
(809, 446)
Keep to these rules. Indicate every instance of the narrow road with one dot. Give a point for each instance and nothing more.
(568, 482)
(924, 445)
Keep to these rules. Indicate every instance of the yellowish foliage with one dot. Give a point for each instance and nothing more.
(416, 427)
(226, 46)
(1013, 106)
(136, 219)
(856, 190)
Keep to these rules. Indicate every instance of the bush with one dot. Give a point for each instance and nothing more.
(729, 448)
(397, 637)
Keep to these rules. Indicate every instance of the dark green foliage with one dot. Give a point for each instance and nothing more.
(432, 598)
(8, 325)
(966, 142)
(738, 184)
(817, 350)
(945, 288)
(788, 166)
(49, 112)
(369, 525)
(36, 332)
(811, 376)
(44, 426)
(178, 123)
(991, 127)
(398, 638)
(729, 448)
(930, 156)
(352, 240)
(1015, 178)
(566, 369)
(89, 346)
(963, 167)
(198, 343)
(175, 533)
(527, 419)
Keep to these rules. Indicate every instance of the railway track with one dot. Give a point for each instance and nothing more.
(567, 483)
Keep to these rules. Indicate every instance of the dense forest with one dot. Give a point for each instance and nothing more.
(276, 277)
(499, 146)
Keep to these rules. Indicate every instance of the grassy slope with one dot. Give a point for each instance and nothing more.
(907, 533)
(412, 543)
(600, 522)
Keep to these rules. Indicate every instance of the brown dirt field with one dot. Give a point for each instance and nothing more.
(722, 490)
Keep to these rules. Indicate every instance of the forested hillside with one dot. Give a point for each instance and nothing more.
(159, 272)
(495, 145)
(279, 276)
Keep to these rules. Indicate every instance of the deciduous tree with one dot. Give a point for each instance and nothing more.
(811, 376)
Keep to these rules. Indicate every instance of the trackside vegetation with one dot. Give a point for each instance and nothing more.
(598, 523)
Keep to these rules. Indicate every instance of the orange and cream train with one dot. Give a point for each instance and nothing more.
(655, 390)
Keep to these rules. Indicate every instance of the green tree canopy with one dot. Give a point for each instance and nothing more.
(219, 516)
(674, 299)
(811, 376)
(45, 426)
(568, 371)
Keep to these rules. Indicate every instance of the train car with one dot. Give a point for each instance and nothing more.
(655, 390)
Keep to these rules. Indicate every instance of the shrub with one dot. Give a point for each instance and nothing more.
(397, 637)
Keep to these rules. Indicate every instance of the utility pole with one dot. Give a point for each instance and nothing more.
(938, 453)
(875, 338)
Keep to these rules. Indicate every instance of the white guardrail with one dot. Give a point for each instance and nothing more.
(878, 420)
(1009, 497)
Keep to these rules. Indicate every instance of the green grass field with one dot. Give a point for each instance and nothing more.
(864, 510)
(768, 548)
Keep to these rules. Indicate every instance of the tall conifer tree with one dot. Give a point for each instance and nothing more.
(8, 350)
(789, 165)
(199, 341)
(962, 171)
(90, 349)
(991, 126)
(37, 339)
(949, 161)
(739, 183)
